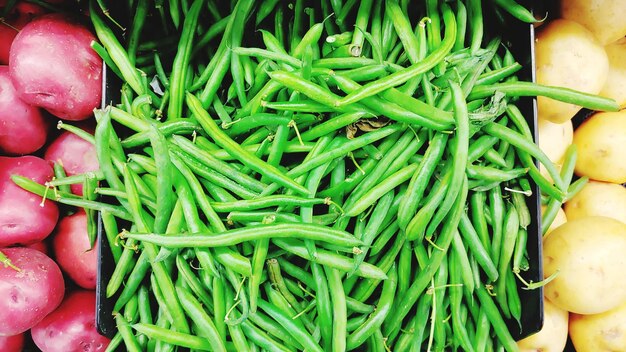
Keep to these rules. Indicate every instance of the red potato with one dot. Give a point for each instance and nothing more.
(23, 128)
(53, 66)
(30, 294)
(71, 327)
(23, 219)
(72, 250)
(22, 13)
(39, 246)
(13, 343)
(75, 154)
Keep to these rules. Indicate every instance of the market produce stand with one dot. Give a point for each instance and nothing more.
(265, 175)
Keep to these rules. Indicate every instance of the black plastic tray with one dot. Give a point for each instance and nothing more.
(519, 39)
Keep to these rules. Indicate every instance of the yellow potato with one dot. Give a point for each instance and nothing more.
(604, 332)
(588, 254)
(601, 140)
(605, 18)
(553, 335)
(568, 55)
(554, 138)
(615, 86)
(559, 220)
(598, 198)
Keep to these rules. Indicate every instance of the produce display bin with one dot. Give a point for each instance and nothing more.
(519, 38)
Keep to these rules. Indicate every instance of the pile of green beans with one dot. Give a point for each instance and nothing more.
(346, 176)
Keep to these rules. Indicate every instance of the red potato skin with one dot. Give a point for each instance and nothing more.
(71, 327)
(30, 294)
(13, 343)
(72, 250)
(22, 13)
(40, 247)
(75, 154)
(23, 128)
(53, 66)
(22, 218)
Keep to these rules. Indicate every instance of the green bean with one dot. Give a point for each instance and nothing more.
(132, 282)
(111, 230)
(403, 29)
(116, 51)
(168, 128)
(331, 259)
(438, 289)
(345, 7)
(497, 322)
(403, 109)
(372, 178)
(517, 10)
(404, 75)
(340, 319)
(376, 319)
(418, 182)
(460, 152)
(258, 259)
(237, 151)
(269, 325)
(567, 95)
(267, 54)
(265, 10)
(361, 23)
(339, 39)
(492, 174)
(402, 306)
(355, 322)
(495, 76)
(262, 339)
(184, 270)
(462, 257)
(278, 283)
(267, 217)
(173, 337)
(106, 58)
(292, 326)
(373, 225)
(214, 30)
(476, 247)
(513, 298)
(296, 272)
(421, 319)
(379, 190)
(519, 141)
(236, 236)
(416, 227)
(217, 73)
(115, 342)
(210, 160)
(343, 149)
(311, 37)
(71, 200)
(130, 340)
(475, 12)
(404, 266)
(164, 196)
(218, 296)
(102, 136)
(324, 307)
(213, 219)
(383, 238)
(461, 336)
(205, 325)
